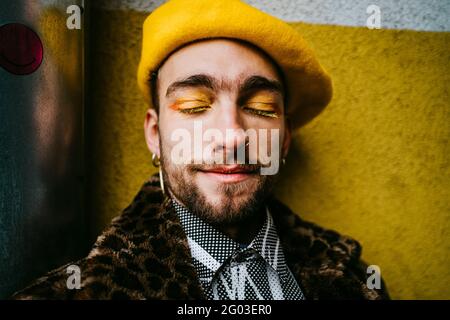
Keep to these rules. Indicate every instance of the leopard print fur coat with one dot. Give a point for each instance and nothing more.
(144, 254)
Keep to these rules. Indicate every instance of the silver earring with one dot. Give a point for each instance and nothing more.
(161, 180)
(283, 161)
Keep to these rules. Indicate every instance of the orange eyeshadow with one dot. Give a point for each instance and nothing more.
(191, 100)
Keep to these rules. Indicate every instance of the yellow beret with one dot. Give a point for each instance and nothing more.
(179, 22)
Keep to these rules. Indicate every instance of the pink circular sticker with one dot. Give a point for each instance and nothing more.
(21, 50)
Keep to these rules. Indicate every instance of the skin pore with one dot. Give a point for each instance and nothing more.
(225, 84)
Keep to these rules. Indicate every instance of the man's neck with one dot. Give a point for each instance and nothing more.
(244, 230)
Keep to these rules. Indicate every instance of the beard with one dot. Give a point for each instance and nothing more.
(179, 180)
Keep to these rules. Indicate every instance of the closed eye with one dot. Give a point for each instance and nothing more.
(195, 110)
(191, 106)
(261, 109)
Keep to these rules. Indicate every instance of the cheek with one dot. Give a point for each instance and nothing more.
(168, 126)
(270, 134)
(176, 143)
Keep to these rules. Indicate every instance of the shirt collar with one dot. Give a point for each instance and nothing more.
(210, 248)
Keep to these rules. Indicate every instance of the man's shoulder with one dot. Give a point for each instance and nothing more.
(306, 235)
(106, 273)
(111, 270)
(133, 258)
(327, 263)
(93, 277)
(51, 286)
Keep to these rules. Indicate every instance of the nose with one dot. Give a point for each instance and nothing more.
(231, 124)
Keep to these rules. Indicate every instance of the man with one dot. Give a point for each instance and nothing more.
(226, 85)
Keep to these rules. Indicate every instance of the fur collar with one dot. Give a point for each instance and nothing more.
(144, 254)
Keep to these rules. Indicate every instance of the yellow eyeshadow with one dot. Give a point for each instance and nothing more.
(264, 102)
(264, 97)
(266, 105)
(191, 102)
(262, 106)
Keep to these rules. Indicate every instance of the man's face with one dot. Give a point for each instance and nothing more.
(220, 96)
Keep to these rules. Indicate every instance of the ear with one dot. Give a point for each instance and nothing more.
(287, 138)
(151, 130)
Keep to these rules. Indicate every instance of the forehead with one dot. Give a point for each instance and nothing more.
(220, 58)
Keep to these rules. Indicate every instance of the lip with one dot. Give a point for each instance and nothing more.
(229, 174)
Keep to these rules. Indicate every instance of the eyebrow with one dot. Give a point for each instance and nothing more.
(198, 80)
(257, 83)
(250, 85)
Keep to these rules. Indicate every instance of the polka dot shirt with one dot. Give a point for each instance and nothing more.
(228, 270)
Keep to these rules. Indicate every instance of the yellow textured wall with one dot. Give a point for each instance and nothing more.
(375, 165)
